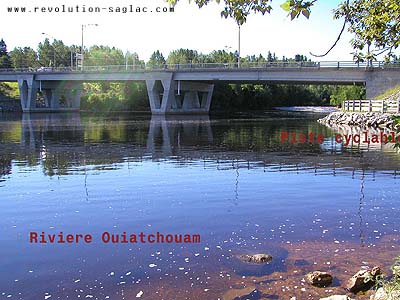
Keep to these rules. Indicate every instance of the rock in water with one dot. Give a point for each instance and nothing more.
(256, 258)
(320, 279)
(238, 294)
(363, 280)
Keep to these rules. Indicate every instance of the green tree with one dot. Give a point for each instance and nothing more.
(220, 56)
(46, 54)
(104, 56)
(183, 56)
(23, 57)
(375, 25)
(5, 61)
(156, 60)
(342, 93)
(299, 57)
(62, 54)
(133, 58)
(239, 10)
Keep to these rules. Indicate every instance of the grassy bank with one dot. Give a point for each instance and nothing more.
(9, 90)
(393, 93)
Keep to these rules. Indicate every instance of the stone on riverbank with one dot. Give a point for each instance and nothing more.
(239, 294)
(382, 294)
(363, 280)
(337, 297)
(256, 258)
(396, 271)
(319, 279)
(370, 119)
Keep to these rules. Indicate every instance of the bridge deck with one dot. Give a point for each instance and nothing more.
(343, 72)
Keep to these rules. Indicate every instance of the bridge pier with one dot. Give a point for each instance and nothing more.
(168, 96)
(28, 91)
(46, 96)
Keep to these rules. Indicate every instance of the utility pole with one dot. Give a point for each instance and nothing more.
(239, 47)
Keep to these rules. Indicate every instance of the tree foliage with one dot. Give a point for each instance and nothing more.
(23, 57)
(375, 25)
(157, 60)
(104, 56)
(5, 61)
(183, 56)
(239, 10)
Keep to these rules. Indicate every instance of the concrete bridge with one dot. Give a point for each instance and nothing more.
(188, 88)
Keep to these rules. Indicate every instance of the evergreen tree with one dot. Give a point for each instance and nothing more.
(156, 60)
(23, 57)
(5, 61)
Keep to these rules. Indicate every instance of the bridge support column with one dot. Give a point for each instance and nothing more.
(168, 96)
(28, 88)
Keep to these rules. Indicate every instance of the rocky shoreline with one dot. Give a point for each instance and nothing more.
(370, 119)
(361, 282)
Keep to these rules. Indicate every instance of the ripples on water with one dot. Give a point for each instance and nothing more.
(230, 180)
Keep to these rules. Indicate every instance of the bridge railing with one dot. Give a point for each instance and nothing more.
(210, 66)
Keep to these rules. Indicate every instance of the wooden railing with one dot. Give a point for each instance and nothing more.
(383, 106)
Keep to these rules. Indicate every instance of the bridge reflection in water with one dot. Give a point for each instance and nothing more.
(67, 141)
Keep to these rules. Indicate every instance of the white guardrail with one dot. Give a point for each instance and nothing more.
(209, 66)
(383, 106)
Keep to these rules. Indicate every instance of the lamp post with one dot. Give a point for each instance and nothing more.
(82, 52)
(54, 49)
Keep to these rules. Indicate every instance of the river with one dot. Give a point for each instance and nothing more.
(231, 182)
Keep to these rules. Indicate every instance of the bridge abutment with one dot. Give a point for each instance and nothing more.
(379, 82)
(168, 96)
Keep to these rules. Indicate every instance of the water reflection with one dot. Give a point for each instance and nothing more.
(62, 142)
(229, 179)
(39, 130)
(360, 210)
(168, 136)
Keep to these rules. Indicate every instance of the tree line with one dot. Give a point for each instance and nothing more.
(57, 54)
(105, 96)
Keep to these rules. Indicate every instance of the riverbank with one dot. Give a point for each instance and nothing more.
(10, 105)
(316, 109)
(364, 120)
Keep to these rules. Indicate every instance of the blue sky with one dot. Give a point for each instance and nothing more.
(188, 27)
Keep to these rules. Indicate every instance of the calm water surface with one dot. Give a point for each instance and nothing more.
(231, 181)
